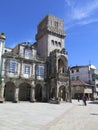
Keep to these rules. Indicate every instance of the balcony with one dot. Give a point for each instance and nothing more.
(31, 57)
(26, 76)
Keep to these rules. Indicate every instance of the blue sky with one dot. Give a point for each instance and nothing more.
(19, 20)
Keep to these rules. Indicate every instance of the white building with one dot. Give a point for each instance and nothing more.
(86, 74)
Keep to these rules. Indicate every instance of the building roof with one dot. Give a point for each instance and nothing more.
(83, 66)
(79, 83)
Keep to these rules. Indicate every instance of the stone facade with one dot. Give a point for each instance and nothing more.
(36, 71)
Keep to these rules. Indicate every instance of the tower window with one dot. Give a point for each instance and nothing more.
(52, 41)
(56, 43)
(56, 24)
(59, 43)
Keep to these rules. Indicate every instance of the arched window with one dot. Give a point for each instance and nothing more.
(60, 66)
(52, 41)
(59, 43)
(56, 43)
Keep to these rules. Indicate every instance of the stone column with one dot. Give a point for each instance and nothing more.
(32, 96)
(16, 95)
(44, 93)
(2, 84)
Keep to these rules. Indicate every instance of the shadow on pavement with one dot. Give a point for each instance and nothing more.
(80, 104)
(94, 102)
(95, 114)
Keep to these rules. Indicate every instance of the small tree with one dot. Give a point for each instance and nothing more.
(3, 33)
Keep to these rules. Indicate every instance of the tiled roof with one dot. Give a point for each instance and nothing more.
(82, 66)
(79, 83)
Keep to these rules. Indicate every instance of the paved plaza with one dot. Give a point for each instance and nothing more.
(45, 116)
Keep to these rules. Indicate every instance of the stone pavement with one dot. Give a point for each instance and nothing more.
(45, 116)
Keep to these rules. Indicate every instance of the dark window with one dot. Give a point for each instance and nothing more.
(56, 43)
(52, 41)
(77, 78)
(59, 43)
(56, 24)
(77, 70)
(73, 78)
(72, 71)
(97, 85)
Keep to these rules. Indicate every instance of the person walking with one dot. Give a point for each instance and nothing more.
(84, 100)
(78, 98)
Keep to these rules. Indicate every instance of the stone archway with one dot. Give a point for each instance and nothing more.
(24, 92)
(62, 93)
(38, 93)
(9, 91)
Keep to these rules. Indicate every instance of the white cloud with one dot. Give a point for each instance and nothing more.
(84, 22)
(82, 11)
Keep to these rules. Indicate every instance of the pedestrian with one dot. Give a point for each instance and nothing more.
(84, 100)
(78, 98)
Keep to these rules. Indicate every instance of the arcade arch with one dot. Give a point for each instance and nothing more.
(24, 92)
(38, 92)
(9, 91)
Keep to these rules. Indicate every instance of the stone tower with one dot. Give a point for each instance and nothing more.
(2, 43)
(50, 46)
(50, 35)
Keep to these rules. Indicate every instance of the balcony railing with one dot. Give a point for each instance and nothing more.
(31, 77)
